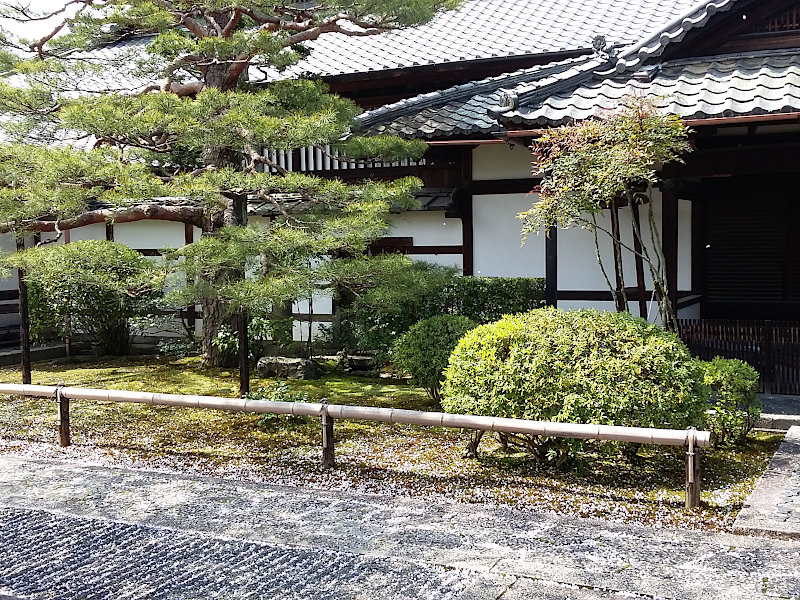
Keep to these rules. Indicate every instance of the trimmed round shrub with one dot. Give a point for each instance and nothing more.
(423, 351)
(580, 366)
(735, 404)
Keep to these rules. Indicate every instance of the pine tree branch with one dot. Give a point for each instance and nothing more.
(157, 212)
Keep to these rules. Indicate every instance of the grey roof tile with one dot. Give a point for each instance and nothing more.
(483, 29)
(462, 109)
(706, 87)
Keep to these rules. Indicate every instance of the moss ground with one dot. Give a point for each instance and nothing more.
(371, 457)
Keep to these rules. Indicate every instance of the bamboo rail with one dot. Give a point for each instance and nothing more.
(691, 438)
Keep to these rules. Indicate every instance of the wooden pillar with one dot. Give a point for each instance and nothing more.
(669, 237)
(551, 267)
(467, 223)
(467, 236)
(244, 354)
(188, 238)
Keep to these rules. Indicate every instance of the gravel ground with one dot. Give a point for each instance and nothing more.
(75, 532)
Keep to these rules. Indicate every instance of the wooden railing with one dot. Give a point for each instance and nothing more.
(692, 439)
(771, 347)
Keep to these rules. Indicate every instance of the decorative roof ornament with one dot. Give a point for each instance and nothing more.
(599, 44)
(604, 49)
(508, 100)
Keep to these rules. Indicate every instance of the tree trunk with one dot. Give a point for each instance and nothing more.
(234, 214)
(24, 323)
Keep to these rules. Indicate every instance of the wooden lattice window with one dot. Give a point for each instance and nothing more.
(788, 20)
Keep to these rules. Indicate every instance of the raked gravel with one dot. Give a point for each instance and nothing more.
(71, 531)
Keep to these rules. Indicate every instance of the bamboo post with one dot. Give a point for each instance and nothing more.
(692, 472)
(63, 419)
(328, 451)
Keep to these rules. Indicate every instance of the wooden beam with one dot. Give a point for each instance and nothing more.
(522, 185)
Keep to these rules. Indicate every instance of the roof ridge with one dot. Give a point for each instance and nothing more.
(674, 31)
(428, 99)
(510, 100)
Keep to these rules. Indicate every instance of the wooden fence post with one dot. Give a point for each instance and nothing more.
(328, 451)
(692, 472)
(63, 419)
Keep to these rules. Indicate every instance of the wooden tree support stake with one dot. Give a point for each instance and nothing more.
(63, 419)
(692, 472)
(328, 453)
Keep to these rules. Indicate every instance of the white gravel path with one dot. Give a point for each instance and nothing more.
(71, 531)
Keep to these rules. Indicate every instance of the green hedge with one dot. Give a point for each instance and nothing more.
(487, 299)
(735, 404)
(424, 350)
(580, 366)
(407, 294)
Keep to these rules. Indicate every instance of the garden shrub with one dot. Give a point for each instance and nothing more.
(259, 331)
(487, 299)
(91, 287)
(735, 404)
(402, 292)
(423, 351)
(580, 366)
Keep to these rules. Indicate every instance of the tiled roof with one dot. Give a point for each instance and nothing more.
(484, 29)
(706, 87)
(651, 46)
(460, 110)
(474, 108)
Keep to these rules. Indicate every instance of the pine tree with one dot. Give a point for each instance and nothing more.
(144, 109)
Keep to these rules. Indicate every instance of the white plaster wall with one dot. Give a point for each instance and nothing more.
(8, 244)
(428, 228)
(300, 331)
(151, 234)
(577, 263)
(500, 161)
(498, 248)
(96, 231)
(322, 304)
(685, 246)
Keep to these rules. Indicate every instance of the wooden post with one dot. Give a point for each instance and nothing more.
(692, 472)
(244, 355)
(551, 267)
(328, 452)
(63, 420)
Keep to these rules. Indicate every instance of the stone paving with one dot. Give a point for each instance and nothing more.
(73, 532)
(773, 508)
